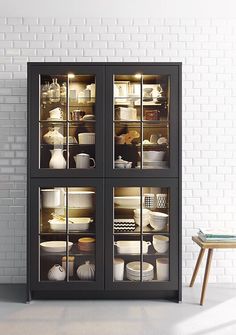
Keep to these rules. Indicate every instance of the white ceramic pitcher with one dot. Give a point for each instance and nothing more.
(57, 160)
(82, 161)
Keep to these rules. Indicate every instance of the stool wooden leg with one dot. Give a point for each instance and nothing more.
(199, 260)
(206, 275)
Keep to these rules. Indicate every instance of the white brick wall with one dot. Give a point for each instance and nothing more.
(207, 48)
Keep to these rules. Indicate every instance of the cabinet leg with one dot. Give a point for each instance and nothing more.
(199, 260)
(206, 275)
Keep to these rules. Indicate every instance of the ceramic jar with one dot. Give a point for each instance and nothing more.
(57, 273)
(53, 136)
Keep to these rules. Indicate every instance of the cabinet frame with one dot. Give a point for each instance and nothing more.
(104, 177)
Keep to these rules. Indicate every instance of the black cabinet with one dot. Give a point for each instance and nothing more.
(104, 180)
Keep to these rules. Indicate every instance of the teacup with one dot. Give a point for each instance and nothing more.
(56, 113)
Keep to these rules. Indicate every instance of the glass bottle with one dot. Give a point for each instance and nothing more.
(63, 93)
(44, 94)
(54, 91)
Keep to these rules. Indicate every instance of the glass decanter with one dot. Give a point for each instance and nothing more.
(44, 94)
(54, 91)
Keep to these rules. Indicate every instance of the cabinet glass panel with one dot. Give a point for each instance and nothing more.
(67, 121)
(67, 234)
(141, 121)
(141, 234)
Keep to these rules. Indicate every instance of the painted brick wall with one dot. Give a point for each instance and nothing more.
(207, 48)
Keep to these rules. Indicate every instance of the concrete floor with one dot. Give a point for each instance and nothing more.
(217, 316)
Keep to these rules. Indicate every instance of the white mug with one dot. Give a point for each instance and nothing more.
(118, 268)
(56, 113)
(82, 161)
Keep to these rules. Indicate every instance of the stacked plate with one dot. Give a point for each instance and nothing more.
(86, 244)
(133, 271)
(158, 220)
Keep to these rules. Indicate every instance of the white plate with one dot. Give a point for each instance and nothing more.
(54, 119)
(55, 246)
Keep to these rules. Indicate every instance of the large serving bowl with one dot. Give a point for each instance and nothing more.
(127, 201)
(158, 220)
(153, 155)
(74, 224)
(160, 243)
(55, 246)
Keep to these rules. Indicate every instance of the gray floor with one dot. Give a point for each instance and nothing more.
(217, 316)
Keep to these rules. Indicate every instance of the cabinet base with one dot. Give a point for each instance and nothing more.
(119, 295)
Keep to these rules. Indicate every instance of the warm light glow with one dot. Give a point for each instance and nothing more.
(138, 75)
(71, 75)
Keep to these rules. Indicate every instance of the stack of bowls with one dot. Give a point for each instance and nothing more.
(145, 216)
(158, 220)
(133, 271)
(86, 244)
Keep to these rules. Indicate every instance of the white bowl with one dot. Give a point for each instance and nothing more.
(158, 226)
(145, 212)
(160, 243)
(153, 155)
(86, 138)
(55, 246)
(133, 271)
(158, 215)
(127, 201)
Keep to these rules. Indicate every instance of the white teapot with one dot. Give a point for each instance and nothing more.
(53, 136)
(122, 164)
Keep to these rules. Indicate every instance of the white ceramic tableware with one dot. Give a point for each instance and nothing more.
(57, 160)
(56, 113)
(133, 271)
(82, 161)
(55, 246)
(51, 198)
(118, 268)
(74, 224)
(161, 200)
(122, 164)
(160, 243)
(153, 155)
(162, 267)
(126, 114)
(53, 136)
(131, 247)
(158, 220)
(57, 273)
(86, 138)
(80, 199)
(127, 201)
(149, 200)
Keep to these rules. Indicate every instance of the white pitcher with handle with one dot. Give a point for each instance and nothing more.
(82, 161)
(57, 160)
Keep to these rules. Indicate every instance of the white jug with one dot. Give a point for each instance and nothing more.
(57, 160)
(82, 161)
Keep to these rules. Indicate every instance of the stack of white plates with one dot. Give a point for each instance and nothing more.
(158, 220)
(133, 271)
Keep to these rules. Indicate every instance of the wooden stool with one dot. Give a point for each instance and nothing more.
(210, 246)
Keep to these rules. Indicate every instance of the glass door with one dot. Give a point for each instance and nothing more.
(69, 122)
(144, 133)
(68, 236)
(144, 234)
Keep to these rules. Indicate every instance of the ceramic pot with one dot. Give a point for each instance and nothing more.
(86, 271)
(53, 136)
(57, 273)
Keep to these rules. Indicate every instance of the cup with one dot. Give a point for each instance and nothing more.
(56, 113)
(161, 200)
(82, 161)
(149, 200)
(153, 138)
(118, 268)
(162, 267)
(76, 114)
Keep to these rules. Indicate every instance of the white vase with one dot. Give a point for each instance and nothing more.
(57, 160)
(53, 136)
(56, 273)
